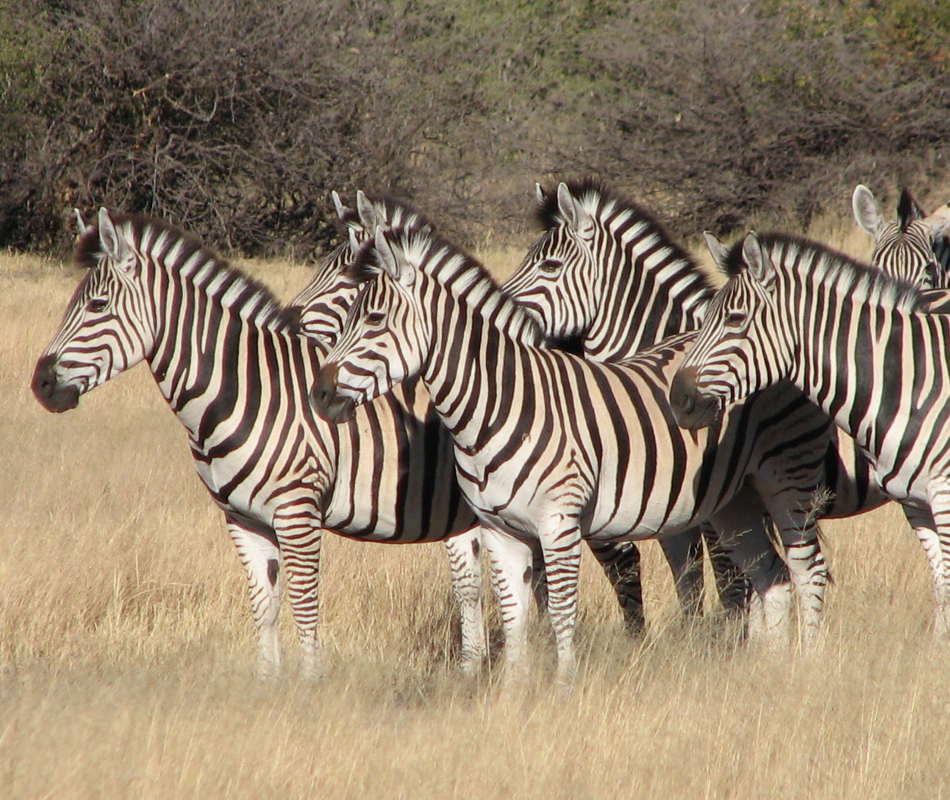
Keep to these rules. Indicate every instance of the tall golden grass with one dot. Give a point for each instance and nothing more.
(127, 654)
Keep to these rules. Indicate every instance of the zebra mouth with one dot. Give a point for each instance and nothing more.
(691, 408)
(327, 401)
(51, 394)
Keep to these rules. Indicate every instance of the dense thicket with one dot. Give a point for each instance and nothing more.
(236, 117)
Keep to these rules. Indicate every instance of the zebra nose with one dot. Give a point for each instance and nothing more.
(46, 387)
(690, 408)
(325, 399)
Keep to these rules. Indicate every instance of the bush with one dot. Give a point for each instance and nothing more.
(235, 119)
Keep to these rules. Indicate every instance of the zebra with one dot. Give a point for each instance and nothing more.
(914, 248)
(861, 346)
(549, 448)
(236, 372)
(322, 307)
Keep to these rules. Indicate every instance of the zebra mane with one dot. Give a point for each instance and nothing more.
(450, 266)
(182, 252)
(831, 267)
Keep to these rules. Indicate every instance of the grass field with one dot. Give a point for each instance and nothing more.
(127, 654)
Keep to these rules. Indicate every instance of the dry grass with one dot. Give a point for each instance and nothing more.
(126, 654)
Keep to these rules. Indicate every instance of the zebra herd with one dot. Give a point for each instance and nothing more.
(403, 396)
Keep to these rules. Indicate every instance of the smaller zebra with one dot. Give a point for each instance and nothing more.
(859, 344)
(914, 248)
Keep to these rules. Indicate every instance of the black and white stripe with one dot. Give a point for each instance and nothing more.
(549, 448)
(236, 372)
(859, 345)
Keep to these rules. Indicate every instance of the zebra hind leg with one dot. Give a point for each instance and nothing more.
(620, 562)
(260, 558)
(465, 568)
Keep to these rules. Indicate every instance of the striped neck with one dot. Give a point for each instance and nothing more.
(646, 289)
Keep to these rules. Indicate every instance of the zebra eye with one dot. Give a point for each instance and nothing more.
(549, 266)
(375, 319)
(736, 319)
(97, 304)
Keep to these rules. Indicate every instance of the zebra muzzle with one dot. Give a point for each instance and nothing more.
(691, 409)
(326, 400)
(52, 395)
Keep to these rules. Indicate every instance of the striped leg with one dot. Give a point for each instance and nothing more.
(933, 532)
(621, 564)
(260, 557)
(684, 554)
(511, 576)
(301, 536)
(560, 537)
(732, 585)
(465, 567)
(806, 565)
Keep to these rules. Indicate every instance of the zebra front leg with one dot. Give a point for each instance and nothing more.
(300, 535)
(684, 554)
(732, 585)
(465, 567)
(511, 576)
(932, 527)
(258, 553)
(560, 537)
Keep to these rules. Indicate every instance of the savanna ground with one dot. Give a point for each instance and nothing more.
(127, 654)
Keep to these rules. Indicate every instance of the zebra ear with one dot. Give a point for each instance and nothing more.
(367, 212)
(758, 261)
(113, 244)
(392, 258)
(717, 250)
(573, 212)
(907, 209)
(342, 211)
(867, 212)
(81, 224)
(539, 194)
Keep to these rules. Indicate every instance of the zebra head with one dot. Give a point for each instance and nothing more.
(554, 282)
(323, 304)
(106, 328)
(906, 248)
(383, 340)
(738, 349)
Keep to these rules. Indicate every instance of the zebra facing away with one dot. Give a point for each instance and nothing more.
(915, 247)
(322, 307)
(549, 448)
(236, 373)
(859, 345)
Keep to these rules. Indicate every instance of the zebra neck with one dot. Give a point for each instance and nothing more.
(217, 363)
(651, 292)
(473, 364)
(850, 364)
